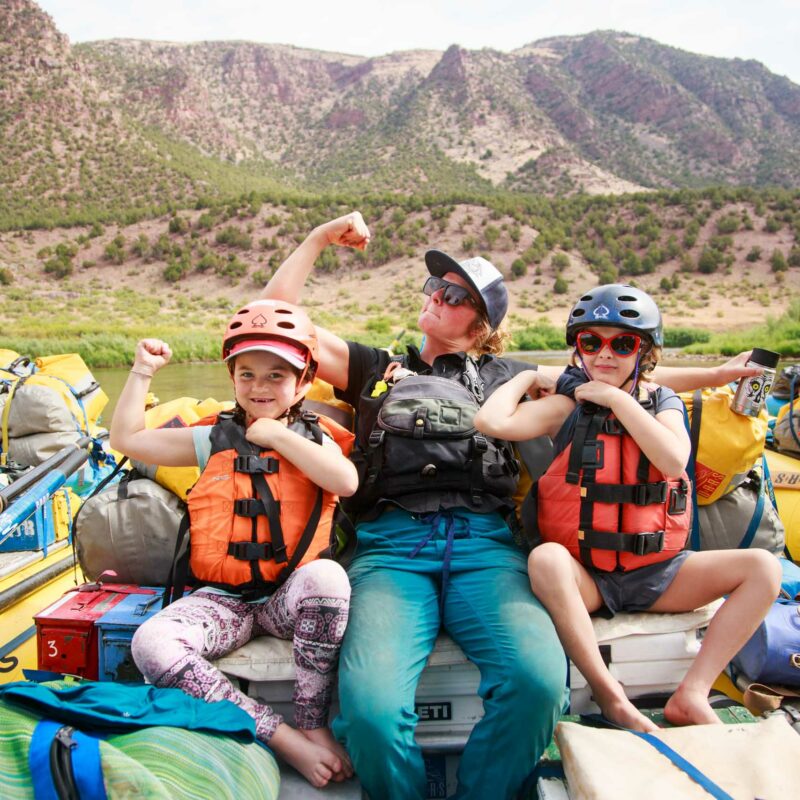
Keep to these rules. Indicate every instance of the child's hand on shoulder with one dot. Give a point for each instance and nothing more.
(151, 355)
(540, 385)
(265, 432)
(597, 392)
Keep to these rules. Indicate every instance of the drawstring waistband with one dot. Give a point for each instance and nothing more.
(450, 520)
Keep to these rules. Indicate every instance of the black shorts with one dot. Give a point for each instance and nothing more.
(637, 589)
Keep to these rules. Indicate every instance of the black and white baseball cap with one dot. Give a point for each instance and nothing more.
(481, 275)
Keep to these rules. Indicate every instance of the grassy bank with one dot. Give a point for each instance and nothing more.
(115, 349)
(780, 334)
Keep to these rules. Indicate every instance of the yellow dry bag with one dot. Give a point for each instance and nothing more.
(727, 444)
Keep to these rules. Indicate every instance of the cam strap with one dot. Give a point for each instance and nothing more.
(699, 777)
(640, 544)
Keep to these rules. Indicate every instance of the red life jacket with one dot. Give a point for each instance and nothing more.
(254, 516)
(606, 503)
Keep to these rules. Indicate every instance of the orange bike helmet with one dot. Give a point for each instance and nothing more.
(272, 320)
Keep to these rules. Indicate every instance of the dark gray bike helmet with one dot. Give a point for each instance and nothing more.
(616, 305)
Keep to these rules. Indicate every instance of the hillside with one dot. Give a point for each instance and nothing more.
(129, 129)
(715, 261)
(606, 111)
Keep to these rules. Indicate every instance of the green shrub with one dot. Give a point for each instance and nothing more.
(234, 237)
(778, 261)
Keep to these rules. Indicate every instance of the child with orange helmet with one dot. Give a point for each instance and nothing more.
(261, 519)
(614, 508)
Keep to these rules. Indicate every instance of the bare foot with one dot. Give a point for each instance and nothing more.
(324, 737)
(688, 707)
(316, 763)
(618, 709)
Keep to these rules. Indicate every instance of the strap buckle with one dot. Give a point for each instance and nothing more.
(376, 437)
(251, 464)
(646, 543)
(592, 456)
(645, 494)
(480, 443)
(248, 507)
(251, 551)
(678, 498)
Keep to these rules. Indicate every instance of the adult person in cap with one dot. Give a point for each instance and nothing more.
(436, 544)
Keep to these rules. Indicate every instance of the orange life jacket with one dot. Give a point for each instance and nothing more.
(254, 516)
(606, 503)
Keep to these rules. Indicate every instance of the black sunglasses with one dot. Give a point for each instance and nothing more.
(454, 295)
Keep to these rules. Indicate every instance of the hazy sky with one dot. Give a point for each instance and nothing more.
(767, 30)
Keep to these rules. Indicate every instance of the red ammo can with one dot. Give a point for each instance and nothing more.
(65, 631)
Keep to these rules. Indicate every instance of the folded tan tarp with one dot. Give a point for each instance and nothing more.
(757, 760)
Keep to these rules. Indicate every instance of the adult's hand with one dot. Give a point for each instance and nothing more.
(349, 230)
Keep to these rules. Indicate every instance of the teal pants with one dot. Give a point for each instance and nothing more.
(489, 610)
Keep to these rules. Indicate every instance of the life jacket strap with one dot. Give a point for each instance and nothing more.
(251, 551)
(640, 544)
(638, 494)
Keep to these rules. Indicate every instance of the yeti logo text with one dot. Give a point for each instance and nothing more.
(601, 312)
(429, 712)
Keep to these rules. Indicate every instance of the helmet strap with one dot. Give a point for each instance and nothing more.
(634, 376)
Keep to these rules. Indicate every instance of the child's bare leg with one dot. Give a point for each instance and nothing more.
(569, 594)
(751, 579)
(317, 763)
(325, 738)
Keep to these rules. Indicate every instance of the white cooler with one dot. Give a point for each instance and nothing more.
(648, 653)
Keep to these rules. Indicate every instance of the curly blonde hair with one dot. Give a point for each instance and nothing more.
(489, 341)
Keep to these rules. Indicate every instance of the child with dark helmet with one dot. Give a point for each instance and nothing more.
(613, 511)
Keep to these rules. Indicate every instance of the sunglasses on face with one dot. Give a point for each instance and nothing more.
(622, 344)
(454, 295)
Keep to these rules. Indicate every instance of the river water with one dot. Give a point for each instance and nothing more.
(212, 380)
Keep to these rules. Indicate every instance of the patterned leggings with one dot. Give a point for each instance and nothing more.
(175, 646)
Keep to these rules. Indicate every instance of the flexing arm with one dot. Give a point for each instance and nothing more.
(663, 438)
(684, 379)
(324, 465)
(504, 416)
(288, 281)
(170, 447)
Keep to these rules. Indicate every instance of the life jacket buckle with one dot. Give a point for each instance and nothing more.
(248, 507)
(645, 494)
(251, 464)
(646, 543)
(592, 456)
(678, 498)
(251, 551)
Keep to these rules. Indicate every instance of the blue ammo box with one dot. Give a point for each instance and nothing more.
(115, 631)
